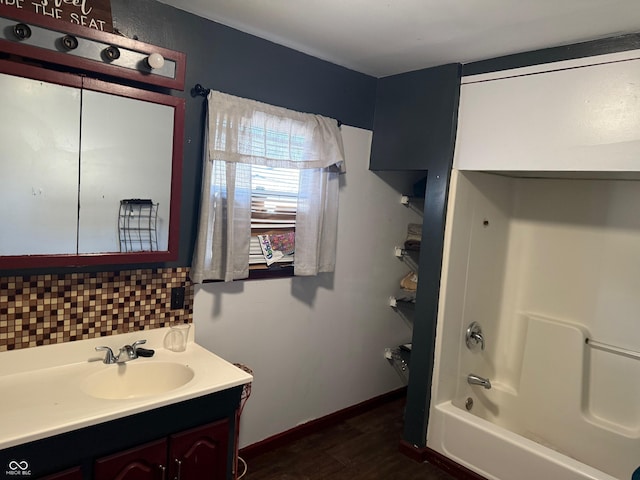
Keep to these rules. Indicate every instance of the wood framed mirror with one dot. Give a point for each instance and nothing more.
(90, 170)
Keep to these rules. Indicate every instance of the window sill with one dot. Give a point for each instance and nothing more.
(275, 271)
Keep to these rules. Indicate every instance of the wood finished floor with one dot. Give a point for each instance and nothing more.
(363, 447)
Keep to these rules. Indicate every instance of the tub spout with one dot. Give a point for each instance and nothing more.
(473, 379)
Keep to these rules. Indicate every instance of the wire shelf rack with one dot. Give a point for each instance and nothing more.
(137, 225)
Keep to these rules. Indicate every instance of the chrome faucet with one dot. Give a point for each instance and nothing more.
(473, 379)
(126, 353)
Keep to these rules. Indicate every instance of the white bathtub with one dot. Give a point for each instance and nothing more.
(498, 454)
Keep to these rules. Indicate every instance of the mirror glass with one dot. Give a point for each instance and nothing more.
(125, 154)
(39, 144)
(85, 171)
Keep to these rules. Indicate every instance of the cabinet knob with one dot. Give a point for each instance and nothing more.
(179, 465)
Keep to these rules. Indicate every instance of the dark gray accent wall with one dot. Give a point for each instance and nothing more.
(228, 60)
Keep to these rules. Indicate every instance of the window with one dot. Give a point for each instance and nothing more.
(274, 200)
(266, 170)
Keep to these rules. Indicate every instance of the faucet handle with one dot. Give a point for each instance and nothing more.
(109, 357)
(474, 337)
(135, 344)
(132, 350)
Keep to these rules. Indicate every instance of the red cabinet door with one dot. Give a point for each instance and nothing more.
(200, 453)
(146, 462)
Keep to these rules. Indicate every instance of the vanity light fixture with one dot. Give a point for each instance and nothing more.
(155, 60)
(33, 37)
(21, 31)
(69, 42)
(111, 53)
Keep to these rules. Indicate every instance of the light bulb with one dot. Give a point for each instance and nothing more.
(155, 60)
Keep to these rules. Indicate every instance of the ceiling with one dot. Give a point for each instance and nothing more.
(384, 37)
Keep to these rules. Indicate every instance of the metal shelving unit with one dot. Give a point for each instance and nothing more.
(404, 306)
(400, 358)
(410, 257)
(403, 303)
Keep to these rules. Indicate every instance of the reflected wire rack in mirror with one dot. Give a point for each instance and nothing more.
(137, 222)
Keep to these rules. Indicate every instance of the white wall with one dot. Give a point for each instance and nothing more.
(316, 344)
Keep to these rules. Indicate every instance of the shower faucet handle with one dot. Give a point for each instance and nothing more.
(474, 336)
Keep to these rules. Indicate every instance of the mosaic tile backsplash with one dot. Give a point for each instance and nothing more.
(45, 309)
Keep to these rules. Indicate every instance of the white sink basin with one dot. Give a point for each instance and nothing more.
(134, 380)
(54, 389)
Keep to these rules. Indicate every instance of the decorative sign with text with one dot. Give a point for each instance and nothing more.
(94, 14)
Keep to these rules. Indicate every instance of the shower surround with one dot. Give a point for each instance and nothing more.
(542, 250)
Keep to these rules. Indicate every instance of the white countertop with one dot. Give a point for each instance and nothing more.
(41, 394)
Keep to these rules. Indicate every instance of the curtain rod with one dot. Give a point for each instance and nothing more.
(199, 90)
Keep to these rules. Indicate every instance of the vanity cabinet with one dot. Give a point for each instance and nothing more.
(146, 462)
(199, 433)
(71, 474)
(196, 454)
(199, 453)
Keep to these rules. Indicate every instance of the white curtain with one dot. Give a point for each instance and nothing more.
(239, 133)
